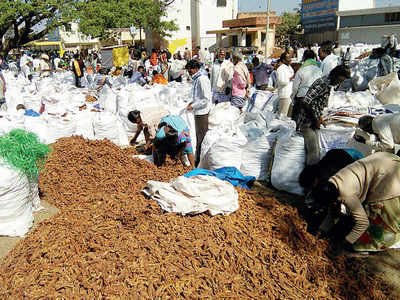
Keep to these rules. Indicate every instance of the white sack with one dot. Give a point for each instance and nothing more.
(59, 128)
(289, 162)
(16, 204)
(38, 126)
(334, 137)
(223, 114)
(226, 151)
(195, 195)
(386, 89)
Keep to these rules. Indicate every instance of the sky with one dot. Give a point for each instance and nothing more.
(288, 5)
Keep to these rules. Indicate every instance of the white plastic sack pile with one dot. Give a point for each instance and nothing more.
(257, 154)
(38, 125)
(386, 89)
(195, 195)
(59, 128)
(334, 137)
(225, 151)
(108, 126)
(223, 114)
(16, 203)
(289, 162)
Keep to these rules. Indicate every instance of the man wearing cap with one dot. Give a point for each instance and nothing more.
(200, 103)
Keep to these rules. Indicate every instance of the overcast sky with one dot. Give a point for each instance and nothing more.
(288, 5)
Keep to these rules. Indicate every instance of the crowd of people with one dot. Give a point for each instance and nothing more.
(366, 186)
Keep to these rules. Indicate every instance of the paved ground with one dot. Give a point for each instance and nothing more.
(7, 243)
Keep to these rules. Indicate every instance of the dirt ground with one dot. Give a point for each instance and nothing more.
(385, 264)
(8, 243)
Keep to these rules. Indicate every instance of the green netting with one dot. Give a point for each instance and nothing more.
(23, 151)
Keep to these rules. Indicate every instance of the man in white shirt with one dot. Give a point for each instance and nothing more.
(284, 75)
(386, 127)
(200, 103)
(221, 78)
(329, 60)
(306, 75)
(44, 66)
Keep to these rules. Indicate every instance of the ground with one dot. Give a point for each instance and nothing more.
(385, 263)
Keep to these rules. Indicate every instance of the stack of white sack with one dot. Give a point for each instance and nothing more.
(18, 200)
(63, 102)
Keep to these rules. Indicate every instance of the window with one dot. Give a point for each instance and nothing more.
(221, 3)
(392, 17)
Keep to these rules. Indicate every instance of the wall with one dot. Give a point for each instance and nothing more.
(180, 11)
(211, 18)
(366, 35)
(355, 4)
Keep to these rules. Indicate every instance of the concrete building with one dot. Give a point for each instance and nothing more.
(320, 20)
(195, 18)
(248, 30)
(368, 26)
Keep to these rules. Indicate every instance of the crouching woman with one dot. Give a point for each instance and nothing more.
(173, 139)
(369, 189)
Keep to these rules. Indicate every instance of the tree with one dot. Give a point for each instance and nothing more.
(291, 24)
(23, 21)
(100, 16)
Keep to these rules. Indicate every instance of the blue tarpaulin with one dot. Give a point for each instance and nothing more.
(230, 174)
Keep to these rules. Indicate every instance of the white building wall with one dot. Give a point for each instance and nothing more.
(180, 12)
(211, 18)
(355, 4)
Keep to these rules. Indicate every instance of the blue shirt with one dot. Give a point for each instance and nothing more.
(355, 154)
(137, 77)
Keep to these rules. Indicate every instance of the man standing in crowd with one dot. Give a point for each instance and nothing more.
(77, 68)
(200, 103)
(308, 111)
(2, 92)
(329, 60)
(221, 79)
(261, 73)
(305, 76)
(284, 75)
(240, 82)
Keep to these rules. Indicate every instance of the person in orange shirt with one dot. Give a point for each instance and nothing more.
(159, 78)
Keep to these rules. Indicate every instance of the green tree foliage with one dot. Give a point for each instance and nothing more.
(101, 15)
(291, 23)
(23, 21)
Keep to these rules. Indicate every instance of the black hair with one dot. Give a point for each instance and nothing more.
(308, 54)
(325, 193)
(307, 176)
(283, 56)
(155, 72)
(365, 123)
(167, 146)
(192, 64)
(340, 70)
(140, 67)
(255, 60)
(133, 116)
(327, 47)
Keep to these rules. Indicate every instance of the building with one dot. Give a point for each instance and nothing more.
(195, 18)
(320, 17)
(368, 26)
(247, 30)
